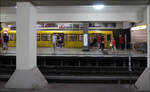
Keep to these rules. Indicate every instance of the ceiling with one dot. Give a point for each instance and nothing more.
(90, 9)
(75, 2)
(79, 9)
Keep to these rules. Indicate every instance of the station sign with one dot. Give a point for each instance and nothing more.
(85, 40)
(139, 27)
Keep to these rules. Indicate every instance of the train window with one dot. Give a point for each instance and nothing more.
(15, 37)
(108, 37)
(45, 37)
(11, 37)
(80, 37)
(72, 37)
(50, 36)
(75, 38)
(38, 37)
(75, 26)
(13, 28)
(65, 37)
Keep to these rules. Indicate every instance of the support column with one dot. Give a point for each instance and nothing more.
(85, 37)
(143, 82)
(26, 75)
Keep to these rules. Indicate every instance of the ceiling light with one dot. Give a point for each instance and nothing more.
(98, 7)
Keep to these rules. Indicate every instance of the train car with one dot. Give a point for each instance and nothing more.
(108, 36)
(71, 38)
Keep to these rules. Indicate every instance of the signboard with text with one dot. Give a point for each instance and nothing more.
(85, 40)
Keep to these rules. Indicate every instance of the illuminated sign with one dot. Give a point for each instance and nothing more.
(139, 27)
(85, 39)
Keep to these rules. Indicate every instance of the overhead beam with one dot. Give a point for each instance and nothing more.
(77, 17)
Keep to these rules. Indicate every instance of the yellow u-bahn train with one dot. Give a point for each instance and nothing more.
(71, 38)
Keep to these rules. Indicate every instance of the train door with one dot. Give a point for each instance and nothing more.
(59, 40)
(93, 39)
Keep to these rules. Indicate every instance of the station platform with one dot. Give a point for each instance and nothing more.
(61, 87)
(70, 52)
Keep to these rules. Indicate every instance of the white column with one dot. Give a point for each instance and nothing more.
(27, 75)
(26, 36)
(143, 82)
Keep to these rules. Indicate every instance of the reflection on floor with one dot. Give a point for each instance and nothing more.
(77, 51)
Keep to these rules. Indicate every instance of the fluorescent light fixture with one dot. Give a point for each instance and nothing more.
(98, 7)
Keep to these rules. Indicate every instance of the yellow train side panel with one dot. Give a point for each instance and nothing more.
(73, 44)
(67, 42)
(12, 43)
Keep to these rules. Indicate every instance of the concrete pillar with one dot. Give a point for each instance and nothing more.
(26, 75)
(143, 82)
(85, 36)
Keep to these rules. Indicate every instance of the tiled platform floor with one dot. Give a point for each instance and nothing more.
(61, 87)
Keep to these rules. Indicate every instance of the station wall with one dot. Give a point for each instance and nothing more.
(10, 16)
(143, 17)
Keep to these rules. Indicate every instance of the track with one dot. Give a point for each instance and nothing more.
(82, 69)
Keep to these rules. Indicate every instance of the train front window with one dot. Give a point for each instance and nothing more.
(45, 37)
